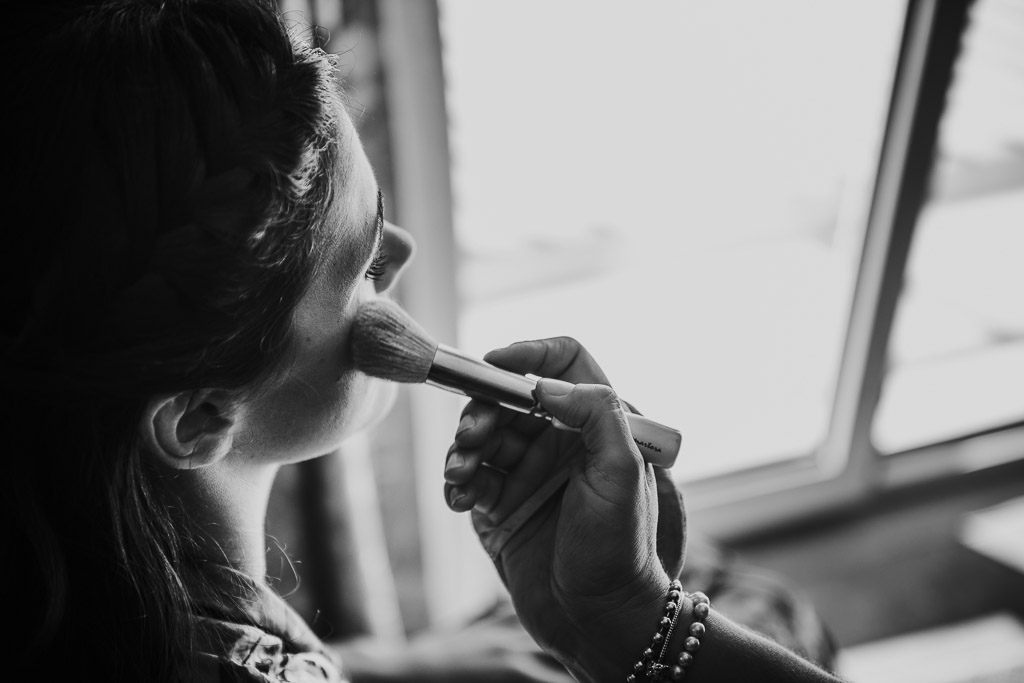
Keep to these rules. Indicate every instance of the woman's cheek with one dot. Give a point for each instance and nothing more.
(378, 399)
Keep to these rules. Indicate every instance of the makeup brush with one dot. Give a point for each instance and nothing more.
(387, 343)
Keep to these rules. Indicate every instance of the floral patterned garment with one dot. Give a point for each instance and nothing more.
(281, 647)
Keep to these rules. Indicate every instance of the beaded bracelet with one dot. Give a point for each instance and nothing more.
(701, 609)
(646, 665)
(653, 669)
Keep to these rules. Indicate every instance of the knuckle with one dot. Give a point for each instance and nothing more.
(566, 344)
(606, 397)
(570, 353)
(567, 350)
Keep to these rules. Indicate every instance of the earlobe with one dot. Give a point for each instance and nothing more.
(187, 430)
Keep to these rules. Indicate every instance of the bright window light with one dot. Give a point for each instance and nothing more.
(680, 186)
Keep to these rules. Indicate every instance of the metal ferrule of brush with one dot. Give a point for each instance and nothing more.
(462, 374)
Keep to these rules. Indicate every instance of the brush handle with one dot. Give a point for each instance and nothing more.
(455, 371)
(657, 443)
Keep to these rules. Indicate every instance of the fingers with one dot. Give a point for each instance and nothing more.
(598, 413)
(561, 357)
(540, 472)
(486, 449)
(483, 438)
(481, 492)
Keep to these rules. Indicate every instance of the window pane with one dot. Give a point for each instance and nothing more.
(682, 187)
(957, 347)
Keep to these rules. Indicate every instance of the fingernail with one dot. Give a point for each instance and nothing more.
(455, 462)
(455, 495)
(465, 423)
(554, 387)
(558, 424)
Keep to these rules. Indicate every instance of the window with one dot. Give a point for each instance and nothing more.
(956, 359)
(682, 187)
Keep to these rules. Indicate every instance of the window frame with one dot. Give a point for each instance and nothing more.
(457, 578)
(847, 468)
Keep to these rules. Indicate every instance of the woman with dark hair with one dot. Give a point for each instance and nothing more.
(192, 227)
(197, 225)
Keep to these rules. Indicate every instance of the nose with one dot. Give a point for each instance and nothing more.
(399, 247)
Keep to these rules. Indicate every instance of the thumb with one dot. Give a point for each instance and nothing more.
(595, 410)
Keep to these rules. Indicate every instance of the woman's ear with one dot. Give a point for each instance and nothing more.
(188, 430)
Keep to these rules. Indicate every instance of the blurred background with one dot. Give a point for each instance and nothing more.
(794, 230)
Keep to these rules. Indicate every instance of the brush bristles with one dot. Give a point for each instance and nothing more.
(389, 344)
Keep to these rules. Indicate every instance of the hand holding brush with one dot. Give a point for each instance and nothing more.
(387, 343)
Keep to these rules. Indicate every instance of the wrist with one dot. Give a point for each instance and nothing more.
(609, 644)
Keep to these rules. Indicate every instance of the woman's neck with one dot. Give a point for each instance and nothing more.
(228, 502)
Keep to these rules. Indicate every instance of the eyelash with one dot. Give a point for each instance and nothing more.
(379, 267)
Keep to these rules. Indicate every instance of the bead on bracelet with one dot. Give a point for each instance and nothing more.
(697, 630)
